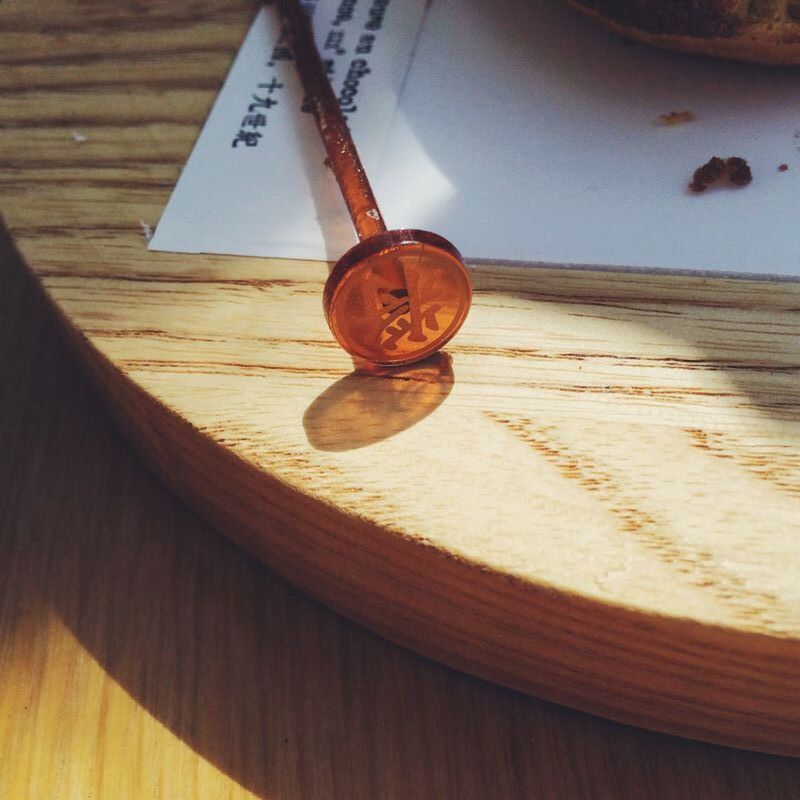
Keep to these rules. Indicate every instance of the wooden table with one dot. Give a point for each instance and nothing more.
(593, 497)
(142, 655)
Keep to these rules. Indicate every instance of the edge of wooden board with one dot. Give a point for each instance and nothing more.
(559, 646)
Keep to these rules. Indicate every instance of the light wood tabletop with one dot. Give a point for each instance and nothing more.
(143, 656)
(593, 496)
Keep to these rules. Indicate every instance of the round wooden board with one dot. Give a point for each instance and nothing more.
(593, 496)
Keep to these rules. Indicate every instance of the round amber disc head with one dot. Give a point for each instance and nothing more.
(397, 297)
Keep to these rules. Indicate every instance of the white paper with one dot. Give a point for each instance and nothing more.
(277, 197)
(523, 133)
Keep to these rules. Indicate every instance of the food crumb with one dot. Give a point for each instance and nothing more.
(704, 176)
(738, 171)
(676, 117)
(735, 169)
(147, 230)
(783, 167)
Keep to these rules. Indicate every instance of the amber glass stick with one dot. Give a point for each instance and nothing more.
(397, 296)
(342, 154)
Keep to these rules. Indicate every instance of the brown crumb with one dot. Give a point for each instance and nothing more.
(739, 171)
(783, 167)
(734, 169)
(676, 117)
(704, 176)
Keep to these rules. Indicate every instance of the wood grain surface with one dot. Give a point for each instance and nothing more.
(593, 497)
(142, 656)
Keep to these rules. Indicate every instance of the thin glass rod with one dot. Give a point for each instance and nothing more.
(342, 154)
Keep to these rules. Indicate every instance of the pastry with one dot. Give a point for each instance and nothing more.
(764, 31)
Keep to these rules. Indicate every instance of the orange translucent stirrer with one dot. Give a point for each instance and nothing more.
(397, 296)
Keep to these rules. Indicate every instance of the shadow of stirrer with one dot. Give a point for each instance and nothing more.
(373, 403)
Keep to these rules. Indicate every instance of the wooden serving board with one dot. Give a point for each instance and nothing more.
(594, 496)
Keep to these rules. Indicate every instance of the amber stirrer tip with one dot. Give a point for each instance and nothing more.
(398, 296)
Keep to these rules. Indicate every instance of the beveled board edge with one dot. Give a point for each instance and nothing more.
(555, 645)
